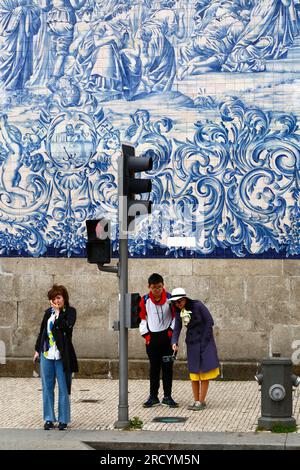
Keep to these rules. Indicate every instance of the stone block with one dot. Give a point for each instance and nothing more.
(230, 315)
(238, 345)
(49, 266)
(16, 367)
(103, 286)
(32, 286)
(8, 313)
(145, 267)
(291, 267)
(138, 284)
(7, 286)
(6, 341)
(82, 286)
(136, 345)
(257, 313)
(285, 339)
(195, 287)
(295, 288)
(23, 341)
(238, 370)
(237, 267)
(226, 288)
(19, 265)
(95, 343)
(92, 314)
(95, 369)
(264, 289)
(265, 314)
(113, 311)
(180, 267)
(281, 312)
(294, 308)
(31, 312)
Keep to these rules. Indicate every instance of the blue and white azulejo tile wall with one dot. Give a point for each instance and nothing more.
(209, 88)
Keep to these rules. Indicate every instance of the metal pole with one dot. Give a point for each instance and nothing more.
(123, 419)
(109, 269)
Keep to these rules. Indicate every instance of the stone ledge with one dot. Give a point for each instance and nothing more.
(105, 368)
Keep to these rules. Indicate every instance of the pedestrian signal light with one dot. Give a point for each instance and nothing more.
(132, 306)
(98, 246)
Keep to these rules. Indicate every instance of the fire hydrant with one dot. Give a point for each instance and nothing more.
(277, 381)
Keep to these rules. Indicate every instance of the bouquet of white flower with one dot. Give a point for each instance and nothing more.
(185, 315)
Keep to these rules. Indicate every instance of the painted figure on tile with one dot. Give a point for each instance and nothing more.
(139, 12)
(139, 127)
(19, 22)
(213, 39)
(61, 21)
(158, 54)
(269, 35)
(81, 30)
(105, 59)
(107, 68)
(10, 179)
(109, 151)
(43, 60)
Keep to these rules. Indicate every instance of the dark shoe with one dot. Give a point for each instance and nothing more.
(62, 426)
(48, 426)
(168, 401)
(152, 401)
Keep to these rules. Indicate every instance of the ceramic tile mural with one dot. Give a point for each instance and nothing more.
(209, 88)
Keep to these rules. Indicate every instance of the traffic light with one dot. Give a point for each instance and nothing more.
(132, 186)
(98, 246)
(132, 309)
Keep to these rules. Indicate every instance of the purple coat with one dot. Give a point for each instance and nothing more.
(202, 353)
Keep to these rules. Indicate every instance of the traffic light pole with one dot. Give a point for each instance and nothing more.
(128, 186)
(123, 416)
(99, 252)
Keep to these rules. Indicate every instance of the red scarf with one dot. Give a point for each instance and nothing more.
(163, 299)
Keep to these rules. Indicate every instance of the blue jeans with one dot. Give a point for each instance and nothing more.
(51, 370)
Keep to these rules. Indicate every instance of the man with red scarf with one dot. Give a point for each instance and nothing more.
(157, 323)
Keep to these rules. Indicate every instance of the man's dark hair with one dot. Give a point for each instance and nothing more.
(155, 279)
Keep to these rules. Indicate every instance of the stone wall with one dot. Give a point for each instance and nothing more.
(254, 303)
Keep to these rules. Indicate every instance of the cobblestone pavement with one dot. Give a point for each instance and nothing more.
(232, 406)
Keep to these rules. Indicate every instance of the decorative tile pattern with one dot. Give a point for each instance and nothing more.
(209, 88)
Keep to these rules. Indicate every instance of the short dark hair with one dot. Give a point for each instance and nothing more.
(59, 290)
(155, 279)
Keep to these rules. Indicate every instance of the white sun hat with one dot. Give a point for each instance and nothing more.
(177, 294)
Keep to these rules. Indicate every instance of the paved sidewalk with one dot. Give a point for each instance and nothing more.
(232, 406)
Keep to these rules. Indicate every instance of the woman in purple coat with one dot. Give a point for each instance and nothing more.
(202, 356)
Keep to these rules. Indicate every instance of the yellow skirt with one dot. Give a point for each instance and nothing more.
(211, 374)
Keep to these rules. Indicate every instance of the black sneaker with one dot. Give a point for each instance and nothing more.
(48, 426)
(62, 426)
(152, 401)
(168, 401)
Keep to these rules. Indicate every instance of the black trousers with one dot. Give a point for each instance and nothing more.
(160, 345)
